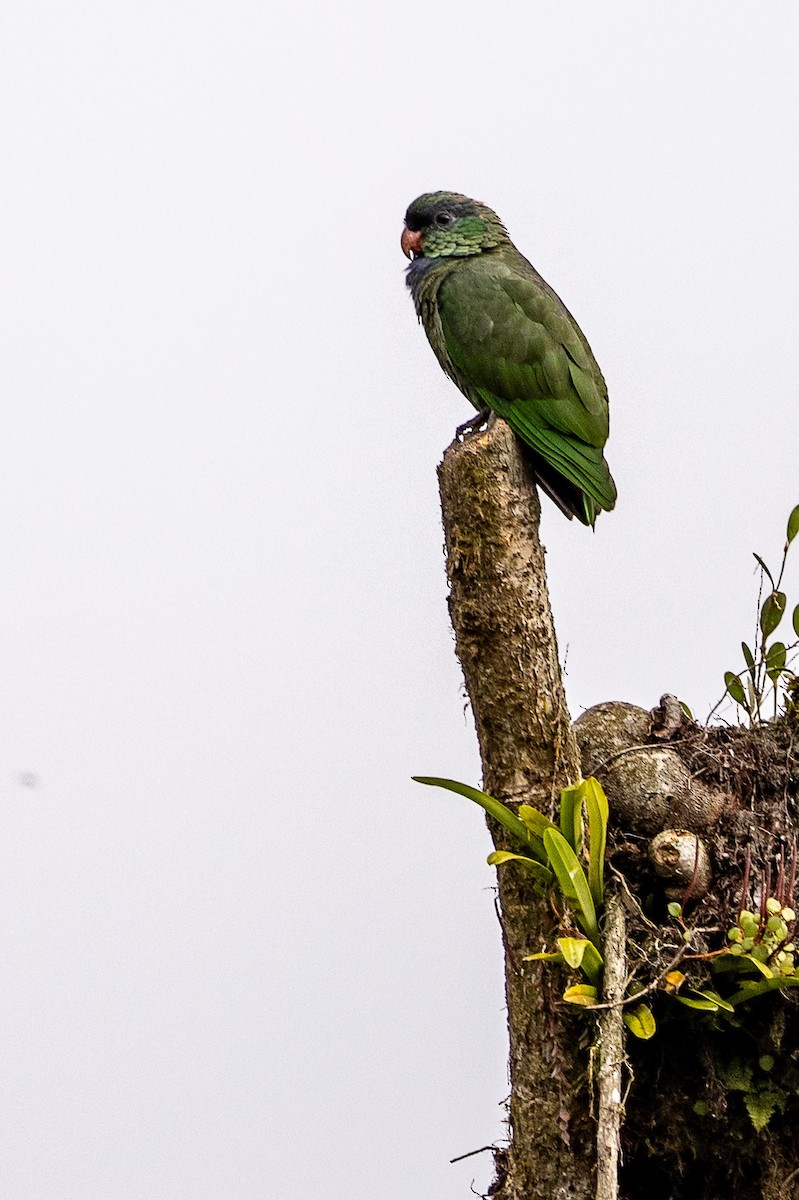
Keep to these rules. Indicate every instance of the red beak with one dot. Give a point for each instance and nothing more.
(411, 243)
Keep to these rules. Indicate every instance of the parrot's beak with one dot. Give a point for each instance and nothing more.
(411, 243)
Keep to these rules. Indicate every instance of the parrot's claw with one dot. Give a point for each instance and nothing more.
(474, 425)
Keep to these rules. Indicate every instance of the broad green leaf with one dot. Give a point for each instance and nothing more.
(765, 568)
(713, 997)
(749, 658)
(796, 620)
(582, 955)
(764, 970)
(581, 993)
(535, 820)
(735, 688)
(772, 612)
(571, 815)
(572, 881)
(728, 963)
(793, 524)
(495, 808)
(639, 1021)
(775, 660)
(741, 963)
(596, 803)
(686, 710)
(674, 908)
(542, 873)
(699, 1003)
(758, 987)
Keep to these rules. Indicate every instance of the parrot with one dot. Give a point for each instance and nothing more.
(509, 343)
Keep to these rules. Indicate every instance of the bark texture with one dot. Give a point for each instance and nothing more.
(611, 1051)
(505, 640)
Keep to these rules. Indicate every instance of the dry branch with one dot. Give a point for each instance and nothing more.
(505, 640)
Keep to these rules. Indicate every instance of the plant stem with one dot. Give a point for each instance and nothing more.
(611, 1052)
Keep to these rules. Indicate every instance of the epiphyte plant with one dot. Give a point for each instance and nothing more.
(767, 671)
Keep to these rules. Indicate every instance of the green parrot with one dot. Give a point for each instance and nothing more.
(511, 345)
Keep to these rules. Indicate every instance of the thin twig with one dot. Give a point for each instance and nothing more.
(611, 1052)
(482, 1149)
(631, 750)
(745, 881)
(645, 991)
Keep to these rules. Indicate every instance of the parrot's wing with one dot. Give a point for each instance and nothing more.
(520, 352)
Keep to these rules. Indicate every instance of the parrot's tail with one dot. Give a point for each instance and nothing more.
(570, 499)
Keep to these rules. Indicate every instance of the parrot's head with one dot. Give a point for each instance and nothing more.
(448, 225)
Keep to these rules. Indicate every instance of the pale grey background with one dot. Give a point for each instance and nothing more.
(242, 954)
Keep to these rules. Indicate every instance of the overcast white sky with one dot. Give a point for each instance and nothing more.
(242, 954)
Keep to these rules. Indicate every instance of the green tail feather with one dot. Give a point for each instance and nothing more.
(579, 464)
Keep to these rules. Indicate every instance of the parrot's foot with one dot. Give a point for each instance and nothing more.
(475, 425)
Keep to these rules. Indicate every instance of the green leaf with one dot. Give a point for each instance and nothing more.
(542, 873)
(735, 688)
(581, 993)
(500, 812)
(730, 964)
(763, 567)
(571, 815)
(749, 658)
(674, 908)
(796, 620)
(772, 612)
(737, 1075)
(762, 967)
(699, 1003)
(775, 660)
(686, 710)
(535, 820)
(762, 1103)
(582, 955)
(639, 1021)
(714, 998)
(572, 881)
(793, 524)
(751, 988)
(543, 956)
(596, 803)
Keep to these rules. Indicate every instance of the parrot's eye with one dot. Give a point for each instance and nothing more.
(443, 219)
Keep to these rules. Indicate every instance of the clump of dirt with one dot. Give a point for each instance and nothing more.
(734, 1068)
